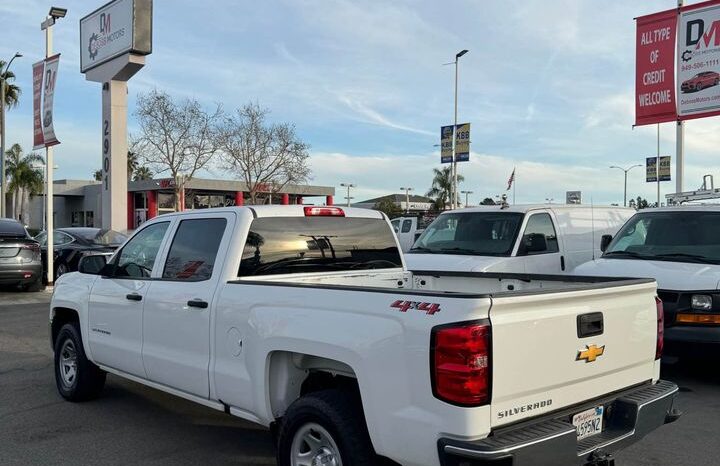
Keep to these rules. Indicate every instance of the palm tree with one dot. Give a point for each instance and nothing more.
(23, 178)
(132, 164)
(97, 175)
(442, 186)
(142, 173)
(12, 92)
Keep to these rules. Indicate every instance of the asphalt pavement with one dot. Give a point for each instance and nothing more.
(131, 424)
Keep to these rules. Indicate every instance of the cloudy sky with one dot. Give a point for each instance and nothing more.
(547, 86)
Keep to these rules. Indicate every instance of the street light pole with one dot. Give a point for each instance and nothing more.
(407, 198)
(454, 202)
(47, 26)
(466, 193)
(3, 186)
(626, 170)
(348, 186)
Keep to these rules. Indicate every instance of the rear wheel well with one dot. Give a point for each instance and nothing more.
(62, 316)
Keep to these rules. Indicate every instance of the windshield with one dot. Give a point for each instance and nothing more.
(102, 237)
(670, 236)
(475, 233)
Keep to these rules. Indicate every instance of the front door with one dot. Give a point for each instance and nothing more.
(176, 322)
(540, 257)
(115, 306)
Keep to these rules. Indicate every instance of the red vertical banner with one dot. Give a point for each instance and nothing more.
(38, 139)
(655, 68)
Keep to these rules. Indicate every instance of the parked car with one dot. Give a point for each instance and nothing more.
(20, 262)
(679, 247)
(303, 319)
(700, 81)
(407, 230)
(72, 243)
(521, 239)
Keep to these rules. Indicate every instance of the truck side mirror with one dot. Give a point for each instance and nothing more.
(534, 242)
(605, 242)
(92, 264)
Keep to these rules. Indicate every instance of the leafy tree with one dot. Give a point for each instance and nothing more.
(12, 91)
(639, 203)
(389, 207)
(442, 187)
(24, 179)
(266, 156)
(488, 201)
(175, 137)
(142, 173)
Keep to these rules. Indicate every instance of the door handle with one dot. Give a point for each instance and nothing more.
(134, 297)
(562, 263)
(197, 303)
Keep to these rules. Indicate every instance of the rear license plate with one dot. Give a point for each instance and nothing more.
(588, 422)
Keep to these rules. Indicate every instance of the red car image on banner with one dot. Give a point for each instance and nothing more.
(700, 81)
(655, 68)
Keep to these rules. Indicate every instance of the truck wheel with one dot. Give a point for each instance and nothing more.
(77, 378)
(325, 428)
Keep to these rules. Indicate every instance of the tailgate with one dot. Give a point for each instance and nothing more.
(541, 364)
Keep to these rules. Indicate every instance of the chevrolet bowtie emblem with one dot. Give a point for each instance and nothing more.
(590, 353)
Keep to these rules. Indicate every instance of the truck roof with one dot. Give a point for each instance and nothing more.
(686, 208)
(259, 211)
(524, 208)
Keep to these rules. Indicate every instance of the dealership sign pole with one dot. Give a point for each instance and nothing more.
(114, 40)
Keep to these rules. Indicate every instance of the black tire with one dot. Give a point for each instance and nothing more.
(88, 380)
(61, 270)
(340, 414)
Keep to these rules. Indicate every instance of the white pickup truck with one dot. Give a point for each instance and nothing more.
(304, 319)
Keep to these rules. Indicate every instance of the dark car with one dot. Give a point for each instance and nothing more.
(700, 81)
(20, 262)
(70, 244)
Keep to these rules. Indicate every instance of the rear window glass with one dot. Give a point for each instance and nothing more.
(13, 229)
(318, 244)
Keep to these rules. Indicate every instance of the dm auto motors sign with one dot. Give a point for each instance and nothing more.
(698, 61)
(119, 27)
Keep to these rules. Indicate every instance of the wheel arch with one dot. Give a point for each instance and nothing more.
(60, 317)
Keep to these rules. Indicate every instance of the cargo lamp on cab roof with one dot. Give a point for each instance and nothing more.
(323, 212)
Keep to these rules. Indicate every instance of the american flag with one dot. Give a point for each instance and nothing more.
(510, 180)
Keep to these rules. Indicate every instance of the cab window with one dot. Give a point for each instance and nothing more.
(406, 226)
(137, 258)
(194, 249)
(539, 236)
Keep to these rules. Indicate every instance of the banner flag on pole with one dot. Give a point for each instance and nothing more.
(44, 79)
(511, 180)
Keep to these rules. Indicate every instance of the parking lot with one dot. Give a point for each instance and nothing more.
(131, 424)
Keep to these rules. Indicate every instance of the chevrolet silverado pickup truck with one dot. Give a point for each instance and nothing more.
(305, 320)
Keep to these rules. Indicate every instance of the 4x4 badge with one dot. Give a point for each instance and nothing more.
(590, 353)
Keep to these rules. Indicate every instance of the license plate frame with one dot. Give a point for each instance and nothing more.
(589, 422)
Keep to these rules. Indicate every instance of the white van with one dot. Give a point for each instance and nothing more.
(544, 239)
(680, 248)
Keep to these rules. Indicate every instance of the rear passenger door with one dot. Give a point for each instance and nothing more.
(541, 257)
(176, 321)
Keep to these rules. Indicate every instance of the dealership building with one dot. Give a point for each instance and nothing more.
(78, 203)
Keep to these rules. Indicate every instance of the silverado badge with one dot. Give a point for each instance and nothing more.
(590, 353)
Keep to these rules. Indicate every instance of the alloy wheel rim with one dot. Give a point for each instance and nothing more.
(313, 445)
(68, 363)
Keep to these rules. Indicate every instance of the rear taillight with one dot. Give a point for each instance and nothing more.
(660, 342)
(323, 212)
(460, 358)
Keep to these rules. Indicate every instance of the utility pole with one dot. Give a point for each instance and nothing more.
(47, 26)
(454, 201)
(348, 186)
(626, 170)
(466, 193)
(679, 149)
(3, 187)
(407, 198)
